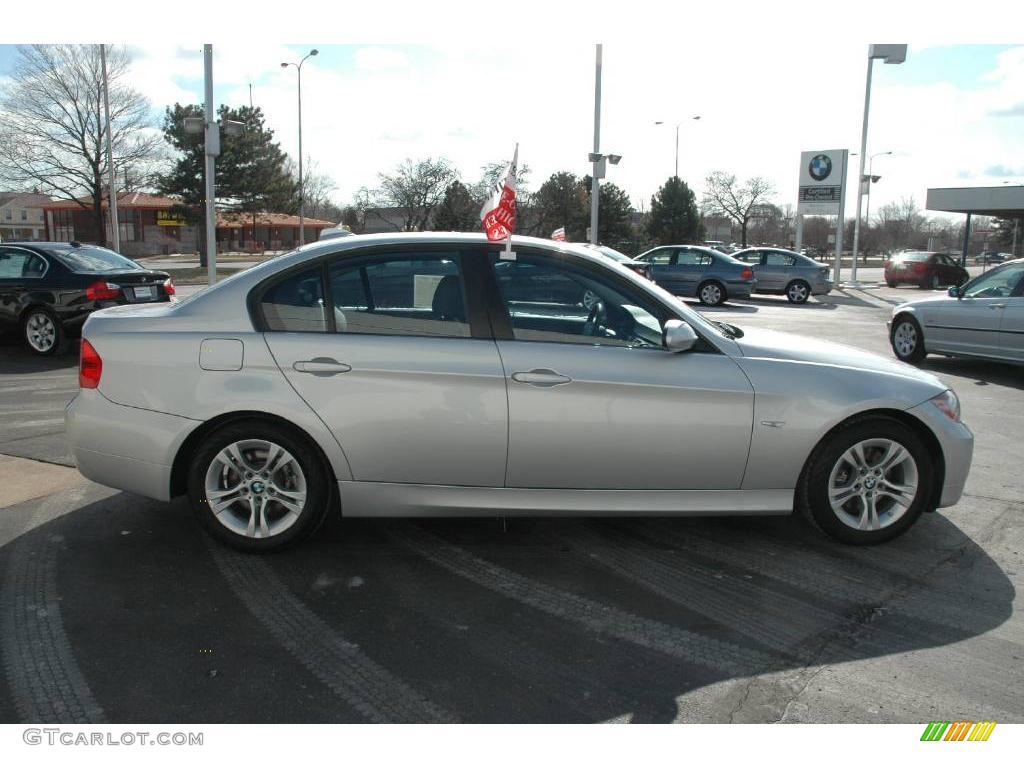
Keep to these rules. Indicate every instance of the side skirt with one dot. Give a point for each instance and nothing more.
(361, 499)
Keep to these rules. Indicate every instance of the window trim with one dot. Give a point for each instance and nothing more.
(46, 261)
(476, 311)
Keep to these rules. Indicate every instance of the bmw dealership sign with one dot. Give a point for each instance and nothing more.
(822, 180)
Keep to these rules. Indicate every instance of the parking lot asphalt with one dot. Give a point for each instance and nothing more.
(117, 608)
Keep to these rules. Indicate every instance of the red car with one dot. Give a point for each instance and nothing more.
(925, 269)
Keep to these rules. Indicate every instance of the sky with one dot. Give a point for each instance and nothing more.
(952, 114)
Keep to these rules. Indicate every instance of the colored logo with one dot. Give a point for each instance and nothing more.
(960, 730)
(820, 167)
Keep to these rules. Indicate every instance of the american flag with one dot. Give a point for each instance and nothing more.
(558, 234)
(499, 212)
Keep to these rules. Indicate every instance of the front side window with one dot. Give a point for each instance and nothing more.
(998, 283)
(400, 294)
(550, 300)
(750, 257)
(296, 303)
(662, 257)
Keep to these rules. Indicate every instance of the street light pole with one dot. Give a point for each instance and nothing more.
(662, 122)
(892, 54)
(870, 182)
(211, 150)
(595, 183)
(115, 230)
(302, 187)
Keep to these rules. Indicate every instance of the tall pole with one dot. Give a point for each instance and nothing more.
(860, 176)
(595, 184)
(677, 149)
(114, 229)
(212, 147)
(302, 188)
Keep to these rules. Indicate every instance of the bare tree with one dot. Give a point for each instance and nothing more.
(724, 196)
(318, 188)
(417, 188)
(52, 129)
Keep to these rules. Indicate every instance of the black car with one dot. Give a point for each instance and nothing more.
(48, 289)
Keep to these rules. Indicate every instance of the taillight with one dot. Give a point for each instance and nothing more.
(90, 367)
(169, 287)
(747, 273)
(101, 290)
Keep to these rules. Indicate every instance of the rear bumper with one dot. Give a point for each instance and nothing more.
(957, 443)
(131, 449)
(821, 287)
(741, 290)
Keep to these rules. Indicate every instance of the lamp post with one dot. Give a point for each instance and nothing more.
(891, 54)
(302, 188)
(871, 179)
(662, 122)
(115, 229)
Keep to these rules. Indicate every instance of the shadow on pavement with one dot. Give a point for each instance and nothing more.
(538, 620)
(982, 371)
(16, 358)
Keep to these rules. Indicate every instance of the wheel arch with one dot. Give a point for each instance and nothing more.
(179, 469)
(909, 420)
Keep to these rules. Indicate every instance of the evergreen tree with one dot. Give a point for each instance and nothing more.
(560, 202)
(458, 211)
(674, 217)
(614, 215)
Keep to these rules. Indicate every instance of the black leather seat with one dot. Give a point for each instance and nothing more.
(448, 303)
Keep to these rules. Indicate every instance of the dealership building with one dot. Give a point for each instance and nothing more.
(150, 225)
(1004, 202)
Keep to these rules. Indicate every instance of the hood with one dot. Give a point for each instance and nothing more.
(929, 302)
(775, 345)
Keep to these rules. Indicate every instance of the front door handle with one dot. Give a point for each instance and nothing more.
(321, 366)
(540, 377)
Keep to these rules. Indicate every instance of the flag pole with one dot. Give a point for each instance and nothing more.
(515, 171)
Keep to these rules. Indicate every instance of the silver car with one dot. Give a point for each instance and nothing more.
(705, 273)
(433, 374)
(792, 274)
(983, 318)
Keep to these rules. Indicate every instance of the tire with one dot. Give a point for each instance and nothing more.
(898, 491)
(907, 340)
(891, 283)
(42, 332)
(711, 293)
(300, 476)
(798, 292)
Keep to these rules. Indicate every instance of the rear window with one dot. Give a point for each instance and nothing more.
(91, 258)
(912, 256)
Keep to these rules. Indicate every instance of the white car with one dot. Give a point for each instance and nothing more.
(983, 318)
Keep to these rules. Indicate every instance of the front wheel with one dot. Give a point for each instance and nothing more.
(258, 487)
(868, 482)
(711, 293)
(907, 340)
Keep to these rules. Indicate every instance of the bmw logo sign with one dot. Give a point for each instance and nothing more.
(820, 167)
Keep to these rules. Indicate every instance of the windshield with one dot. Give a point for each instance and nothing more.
(911, 256)
(612, 253)
(91, 258)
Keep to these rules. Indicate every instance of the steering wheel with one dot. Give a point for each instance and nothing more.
(595, 320)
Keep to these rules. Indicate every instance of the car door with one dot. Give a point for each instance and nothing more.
(400, 370)
(774, 271)
(21, 271)
(971, 324)
(662, 262)
(595, 400)
(1011, 325)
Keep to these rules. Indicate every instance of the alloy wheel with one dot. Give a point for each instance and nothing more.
(904, 338)
(873, 484)
(797, 293)
(40, 332)
(711, 294)
(255, 488)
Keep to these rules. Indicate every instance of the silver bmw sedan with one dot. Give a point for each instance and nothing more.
(436, 374)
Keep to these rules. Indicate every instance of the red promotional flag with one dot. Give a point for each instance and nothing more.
(499, 212)
(558, 234)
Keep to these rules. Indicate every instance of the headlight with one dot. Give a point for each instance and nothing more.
(948, 403)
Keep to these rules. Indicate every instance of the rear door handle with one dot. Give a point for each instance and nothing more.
(540, 377)
(321, 366)
(996, 306)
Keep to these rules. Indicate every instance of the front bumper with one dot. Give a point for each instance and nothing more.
(957, 444)
(131, 449)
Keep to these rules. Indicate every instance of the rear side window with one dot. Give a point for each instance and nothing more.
(16, 263)
(400, 294)
(296, 303)
(776, 259)
(659, 258)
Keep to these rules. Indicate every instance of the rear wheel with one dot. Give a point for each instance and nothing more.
(907, 339)
(798, 292)
(43, 332)
(868, 482)
(712, 293)
(258, 487)
(891, 283)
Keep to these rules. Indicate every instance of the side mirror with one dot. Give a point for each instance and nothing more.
(678, 336)
(954, 291)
